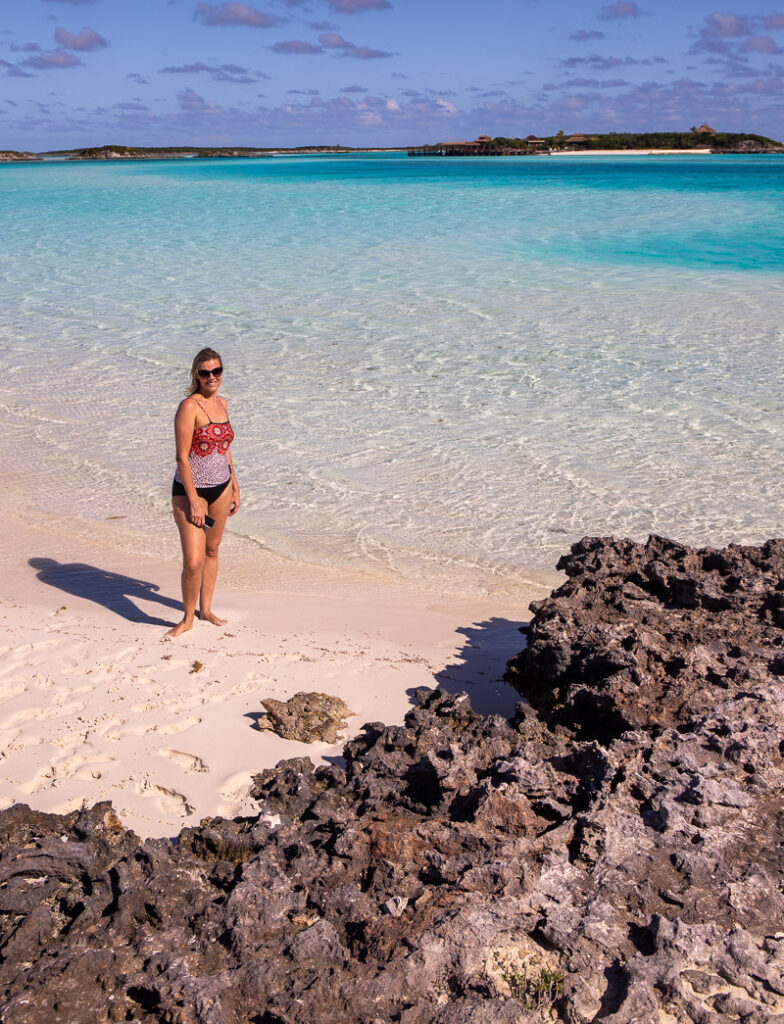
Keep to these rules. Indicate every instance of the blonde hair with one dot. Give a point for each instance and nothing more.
(201, 357)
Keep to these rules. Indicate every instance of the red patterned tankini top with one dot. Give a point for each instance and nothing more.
(208, 455)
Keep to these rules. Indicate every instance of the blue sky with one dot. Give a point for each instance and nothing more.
(379, 72)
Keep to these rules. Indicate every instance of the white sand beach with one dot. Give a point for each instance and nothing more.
(629, 152)
(96, 705)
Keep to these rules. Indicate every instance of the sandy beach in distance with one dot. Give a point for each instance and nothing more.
(629, 152)
(95, 705)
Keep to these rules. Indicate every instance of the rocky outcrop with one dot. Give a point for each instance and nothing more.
(11, 156)
(611, 853)
(306, 717)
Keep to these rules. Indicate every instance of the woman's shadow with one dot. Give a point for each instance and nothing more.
(480, 664)
(110, 589)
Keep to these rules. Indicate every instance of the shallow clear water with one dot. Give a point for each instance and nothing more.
(443, 369)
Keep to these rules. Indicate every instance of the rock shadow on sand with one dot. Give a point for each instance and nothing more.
(110, 589)
(478, 669)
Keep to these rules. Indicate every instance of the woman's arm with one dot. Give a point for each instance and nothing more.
(184, 425)
(235, 487)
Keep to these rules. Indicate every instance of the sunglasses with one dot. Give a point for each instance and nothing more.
(206, 374)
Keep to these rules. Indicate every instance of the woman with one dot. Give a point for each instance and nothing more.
(204, 485)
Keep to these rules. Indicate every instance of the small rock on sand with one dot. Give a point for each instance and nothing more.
(307, 717)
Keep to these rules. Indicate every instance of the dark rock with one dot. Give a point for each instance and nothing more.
(611, 853)
(307, 717)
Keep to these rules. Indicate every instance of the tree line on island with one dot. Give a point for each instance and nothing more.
(694, 139)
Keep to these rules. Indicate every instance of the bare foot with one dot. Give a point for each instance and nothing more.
(181, 627)
(210, 617)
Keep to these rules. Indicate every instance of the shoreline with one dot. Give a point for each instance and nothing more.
(96, 705)
(633, 152)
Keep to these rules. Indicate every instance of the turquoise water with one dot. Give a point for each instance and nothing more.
(441, 369)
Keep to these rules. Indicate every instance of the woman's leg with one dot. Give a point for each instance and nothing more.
(193, 549)
(219, 510)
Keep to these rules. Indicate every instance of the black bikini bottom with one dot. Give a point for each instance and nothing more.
(209, 494)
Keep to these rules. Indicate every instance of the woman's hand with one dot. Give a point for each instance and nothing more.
(197, 514)
(235, 499)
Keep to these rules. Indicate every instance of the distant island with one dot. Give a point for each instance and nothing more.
(701, 140)
(180, 152)
(703, 137)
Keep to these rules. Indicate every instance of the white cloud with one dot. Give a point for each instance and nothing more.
(87, 40)
(235, 14)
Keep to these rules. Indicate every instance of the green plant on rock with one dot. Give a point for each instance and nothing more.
(548, 986)
(537, 992)
(517, 982)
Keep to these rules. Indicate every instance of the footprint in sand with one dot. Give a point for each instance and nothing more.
(145, 681)
(8, 739)
(10, 670)
(250, 685)
(107, 727)
(125, 654)
(143, 706)
(116, 730)
(43, 681)
(17, 718)
(81, 766)
(12, 690)
(64, 692)
(146, 706)
(60, 712)
(169, 800)
(39, 645)
(188, 762)
(235, 799)
(90, 772)
(153, 670)
(252, 682)
(237, 786)
(175, 728)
